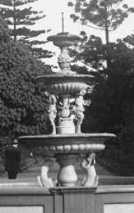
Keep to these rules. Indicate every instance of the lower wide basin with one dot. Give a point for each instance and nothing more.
(91, 141)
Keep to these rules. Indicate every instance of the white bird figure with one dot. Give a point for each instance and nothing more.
(90, 179)
(43, 179)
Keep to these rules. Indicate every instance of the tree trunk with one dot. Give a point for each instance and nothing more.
(107, 37)
(14, 22)
(107, 34)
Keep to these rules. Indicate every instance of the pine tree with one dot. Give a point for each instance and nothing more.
(20, 18)
(105, 14)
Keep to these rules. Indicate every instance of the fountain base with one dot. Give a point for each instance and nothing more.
(69, 149)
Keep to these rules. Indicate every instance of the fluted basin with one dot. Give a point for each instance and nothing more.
(60, 83)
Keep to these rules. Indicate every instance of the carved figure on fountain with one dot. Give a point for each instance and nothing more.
(52, 112)
(64, 107)
(79, 108)
(65, 117)
(90, 179)
(43, 179)
(79, 112)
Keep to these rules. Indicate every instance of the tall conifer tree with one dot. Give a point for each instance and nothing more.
(20, 18)
(105, 14)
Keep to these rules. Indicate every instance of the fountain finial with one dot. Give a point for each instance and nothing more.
(62, 22)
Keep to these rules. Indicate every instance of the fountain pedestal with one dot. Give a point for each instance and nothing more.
(65, 126)
(67, 175)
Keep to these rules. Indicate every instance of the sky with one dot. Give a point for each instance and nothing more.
(53, 10)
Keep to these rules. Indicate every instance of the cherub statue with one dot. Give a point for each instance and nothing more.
(52, 112)
(79, 109)
(90, 179)
(43, 179)
(65, 107)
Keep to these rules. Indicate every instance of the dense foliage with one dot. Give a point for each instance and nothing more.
(22, 106)
(112, 108)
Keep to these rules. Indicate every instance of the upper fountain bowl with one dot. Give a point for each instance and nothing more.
(64, 39)
(65, 82)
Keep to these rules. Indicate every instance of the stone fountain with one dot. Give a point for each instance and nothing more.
(66, 92)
